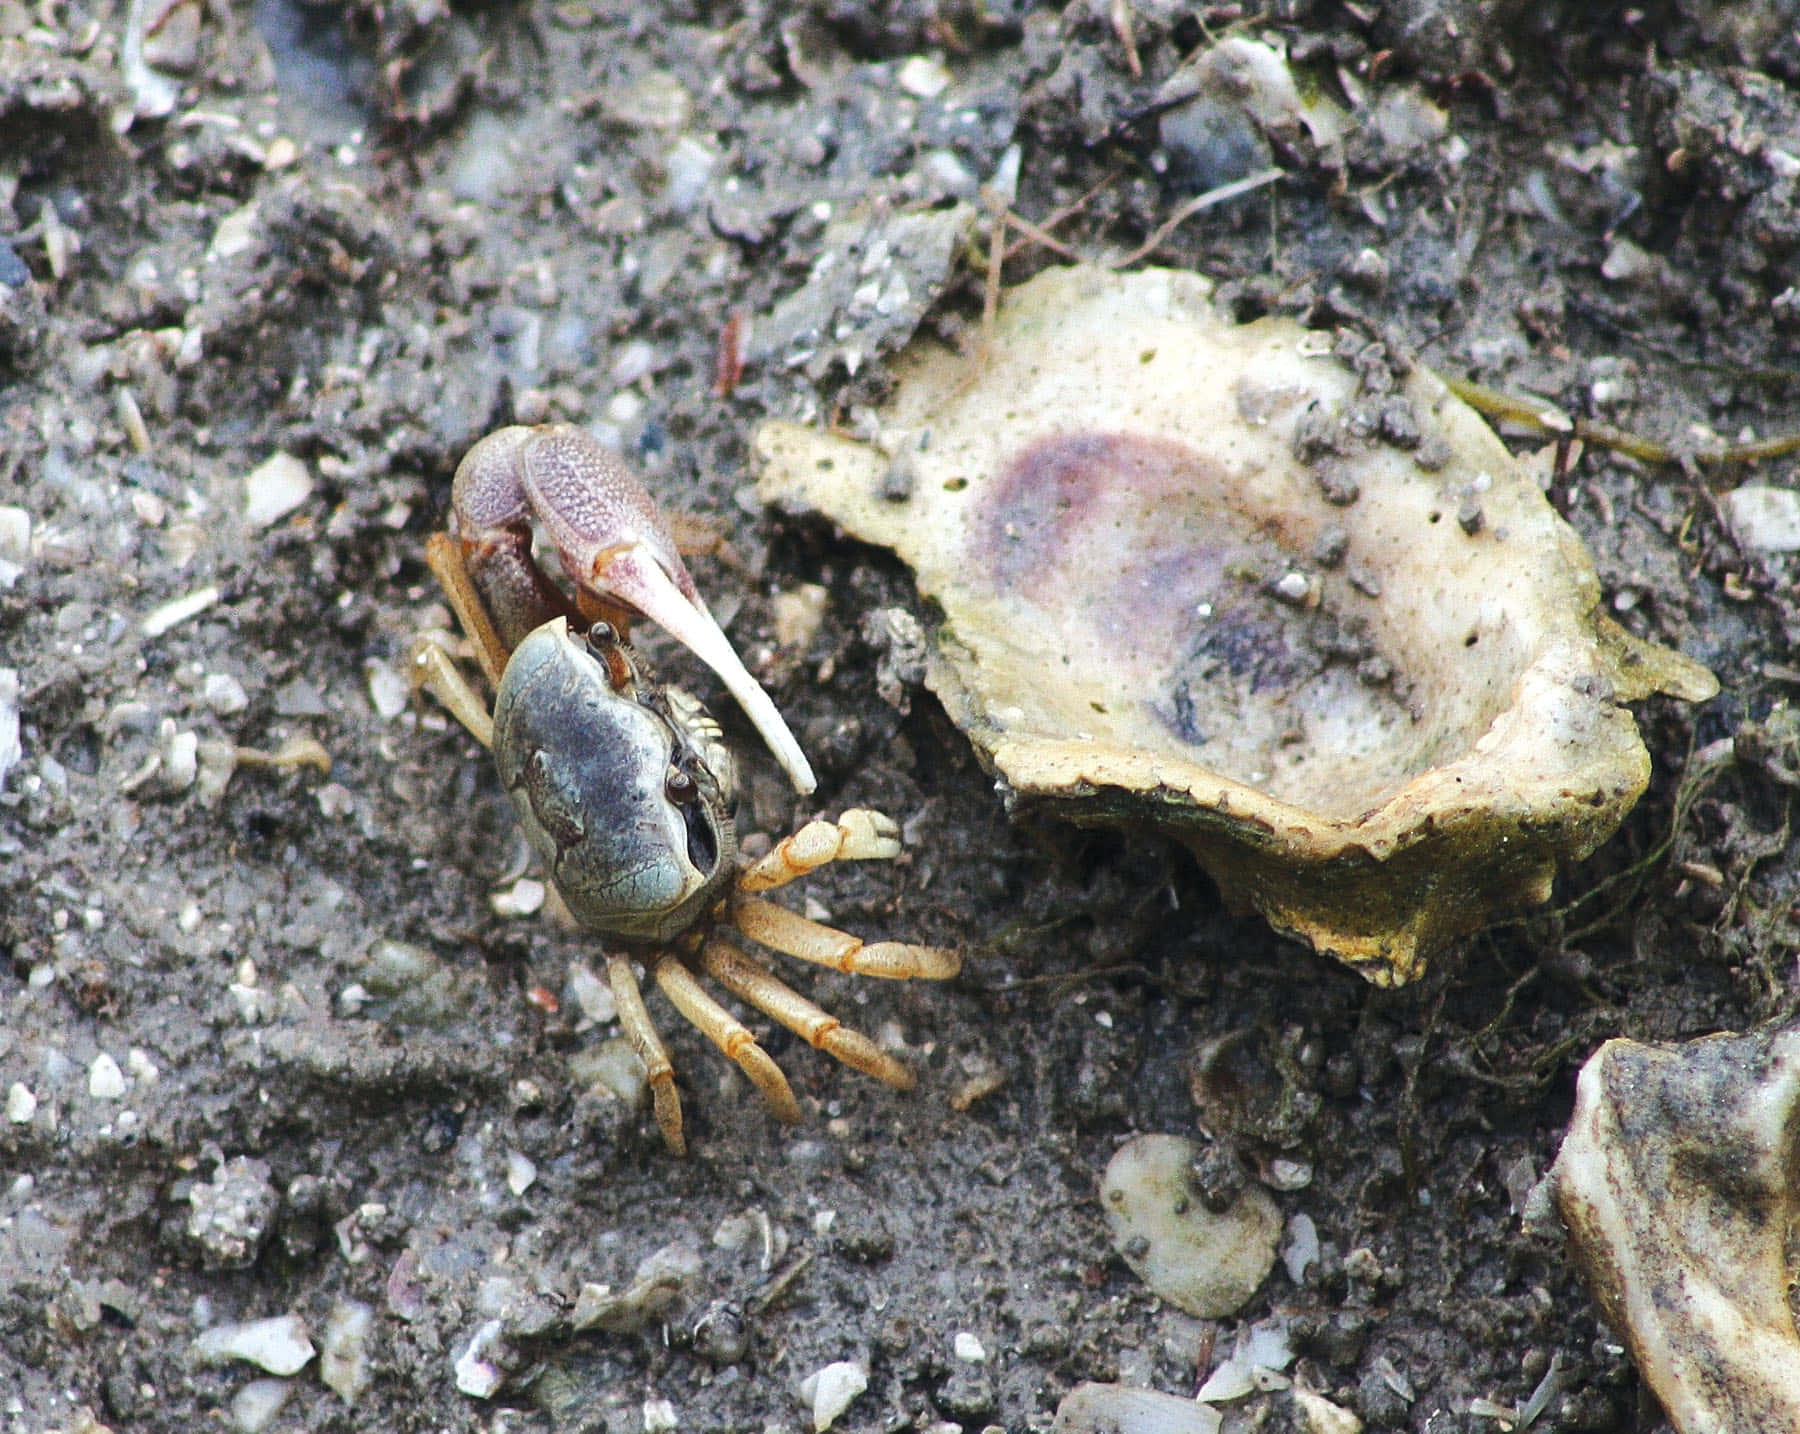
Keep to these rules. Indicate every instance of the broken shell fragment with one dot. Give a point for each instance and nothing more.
(1214, 578)
(1209, 1263)
(1679, 1181)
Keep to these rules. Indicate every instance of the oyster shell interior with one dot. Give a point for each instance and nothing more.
(1310, 617)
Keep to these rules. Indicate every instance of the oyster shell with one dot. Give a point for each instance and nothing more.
(1202, 575)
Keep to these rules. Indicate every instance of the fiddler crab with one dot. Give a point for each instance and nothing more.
(623, 785)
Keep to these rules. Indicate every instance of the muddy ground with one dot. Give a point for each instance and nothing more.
(337, 1075)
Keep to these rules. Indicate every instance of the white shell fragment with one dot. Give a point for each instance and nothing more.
(1323, 628)
(1122, 1409)
(832, 1390)
(280, 1345)
(1206, 1263)
(1765, 518)
(274, 489)
(1677, 1182)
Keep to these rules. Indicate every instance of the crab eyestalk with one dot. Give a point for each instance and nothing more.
(613, 544)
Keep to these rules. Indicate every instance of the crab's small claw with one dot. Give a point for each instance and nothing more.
(614, 546)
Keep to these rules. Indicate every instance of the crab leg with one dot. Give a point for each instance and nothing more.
(858, 835)
(640, 1030)
(614, 545)
(820, 1029)
(795, 935)
(726, 1032)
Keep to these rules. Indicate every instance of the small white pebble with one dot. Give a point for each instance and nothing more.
(968, 1348)
(12, 751)
(924, 78)
(476, 1375)
(387, 689)
(659, 1417)
(171, 614)
(254, 1407)
(593, 995)
(280, 1345)
(1293, 587)
(344, 1349)
(21, 1104)
(143, 1069)
(275, 489)
(335, 800)
(525, 897)
(832, 1390)
(224, 694)
(521, 1174)
(105, 1080)
(1765, 518)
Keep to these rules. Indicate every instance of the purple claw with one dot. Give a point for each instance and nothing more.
(613, 544)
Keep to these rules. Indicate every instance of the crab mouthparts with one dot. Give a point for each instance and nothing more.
(634, 574)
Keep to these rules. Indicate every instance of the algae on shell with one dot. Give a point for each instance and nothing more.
(1316, 623)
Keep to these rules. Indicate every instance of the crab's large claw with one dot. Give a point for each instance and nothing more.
(614, 546)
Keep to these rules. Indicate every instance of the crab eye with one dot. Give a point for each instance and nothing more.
(680, 788)
(602, 634)
(604, 647)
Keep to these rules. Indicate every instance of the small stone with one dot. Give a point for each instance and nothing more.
(21, 1104)
(12, 751)
(1121, 1409)
(659, 1417)
(254, 1407)
(223, 694)
(476, 1375)
(233, 1214)
(1324, 1417)
(521, 1174)
(143, 1070)
(387, 689)
(170, 614)
(275, 489)
(967, 1347)
(525, 897)
(281, 1345)
(1205, 1263)
(924, 78)
(1762, 517)
(832, 1390)
(593, 995)
(15, 544)
(344, 1349)
(105, 1080)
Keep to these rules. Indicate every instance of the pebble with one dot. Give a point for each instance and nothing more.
(525, 897)
(105, 1080)
(281, 1344)
(1205, 1263)
(21, 1104)
(233, 1214)
(968, 1347)
(12, 751)
(476, 1375)
(1324, 1417)
(832, 1390)
(344, 1349)
(171, 614)
(223, 694)
(660, 1417)
(1121, 1409)
(592, 994)
(1301, 1249)
(1256, 1360)
(1762, 517)
(275, 489)
(521, 1174)
(15, 544)
(254, 1407)
(387, 689)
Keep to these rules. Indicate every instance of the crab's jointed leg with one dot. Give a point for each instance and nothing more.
(726, 1032)
(806, 940)
(858, 835)
(640, 1030)
(820, 1029)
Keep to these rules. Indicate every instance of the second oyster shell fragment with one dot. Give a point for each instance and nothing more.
(1202, 575)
